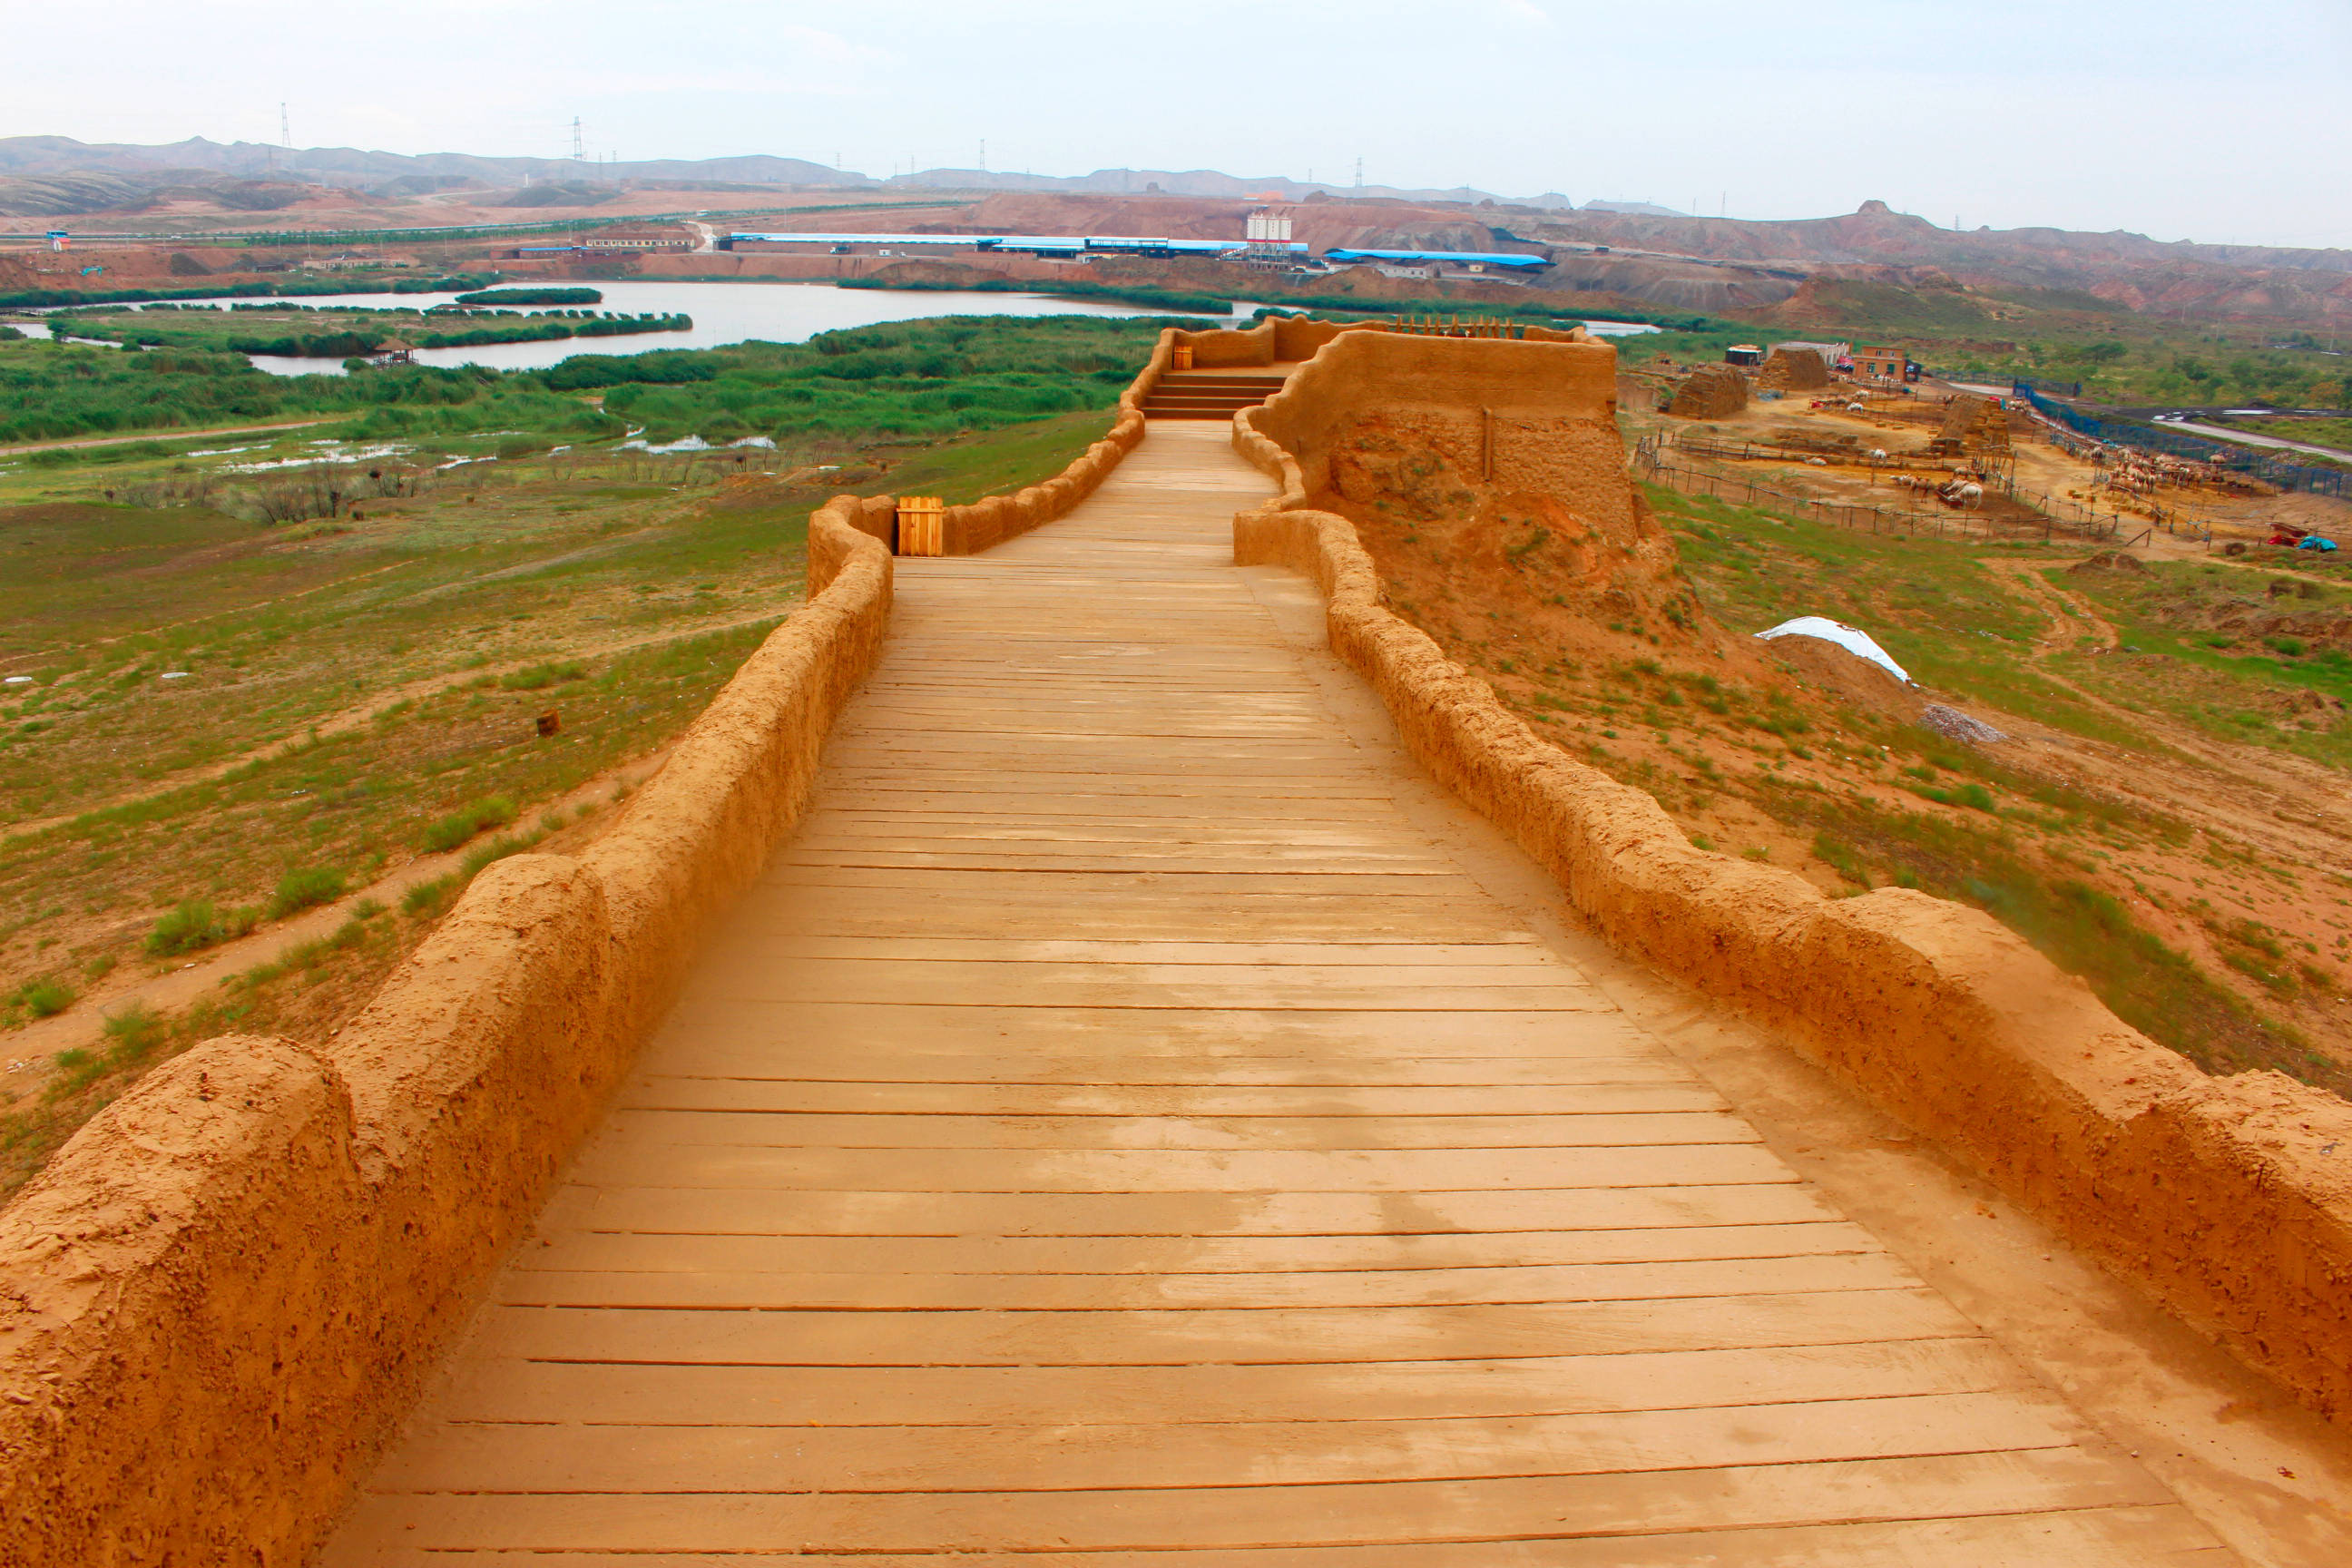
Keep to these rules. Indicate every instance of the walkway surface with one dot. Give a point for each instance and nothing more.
(1112, 1132)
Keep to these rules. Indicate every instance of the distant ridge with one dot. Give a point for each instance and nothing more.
(47, 158)
(53, 155)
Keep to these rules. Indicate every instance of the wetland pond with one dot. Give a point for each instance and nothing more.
(723, 313)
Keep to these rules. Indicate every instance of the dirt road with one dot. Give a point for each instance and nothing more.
(173, 434)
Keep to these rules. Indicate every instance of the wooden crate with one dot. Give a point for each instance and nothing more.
(922, 526)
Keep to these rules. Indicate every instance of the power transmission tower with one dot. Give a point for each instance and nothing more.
(1359, 173)
(579, 150)
(983, 155)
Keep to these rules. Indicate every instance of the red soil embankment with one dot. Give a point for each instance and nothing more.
(2229, 1199)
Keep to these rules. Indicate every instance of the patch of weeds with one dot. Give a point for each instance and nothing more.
(425, 900)
(445, 833)
(133, 1034)
(298, 890)
(544, 675)
(1842, 858)
(42, 998)
(198, 924)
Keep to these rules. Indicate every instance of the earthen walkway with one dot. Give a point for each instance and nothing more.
(1113, 1133)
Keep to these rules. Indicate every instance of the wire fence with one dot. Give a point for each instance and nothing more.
(2277, 471)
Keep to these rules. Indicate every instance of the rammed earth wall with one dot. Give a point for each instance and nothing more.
(2230, 1199)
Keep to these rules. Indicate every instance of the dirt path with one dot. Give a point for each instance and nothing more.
(2289, 808)
(173, 434)
(1124, 1126)
(2064, 609)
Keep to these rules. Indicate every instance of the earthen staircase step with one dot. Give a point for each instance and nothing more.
(1208, 394)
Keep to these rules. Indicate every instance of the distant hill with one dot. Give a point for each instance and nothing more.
(56, 155)
(1201, 183)
(138, 168)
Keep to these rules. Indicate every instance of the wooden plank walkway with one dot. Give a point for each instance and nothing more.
(1112, 1133)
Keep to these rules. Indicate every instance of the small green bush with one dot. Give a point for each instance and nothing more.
(426, 899)
(2291, 646)
(198, 925)
(134, 1032)
(544, 675)
(45, 997)
(447, 833)
(298, 890)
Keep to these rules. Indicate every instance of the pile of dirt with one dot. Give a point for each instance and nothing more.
(1955, 725)
(1710, 392)
(2110, 560)
(1849, 677)
(1794, 370)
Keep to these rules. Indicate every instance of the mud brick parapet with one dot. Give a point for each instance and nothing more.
(2228, 1199)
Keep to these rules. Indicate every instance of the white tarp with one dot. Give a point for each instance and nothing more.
(1854, 639)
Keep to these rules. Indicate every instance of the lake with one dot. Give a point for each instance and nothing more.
(725, 313)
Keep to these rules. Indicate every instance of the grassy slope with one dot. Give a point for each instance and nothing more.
(2057, 865)
(2174, 922)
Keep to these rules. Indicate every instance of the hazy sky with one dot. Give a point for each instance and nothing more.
(2175, 118)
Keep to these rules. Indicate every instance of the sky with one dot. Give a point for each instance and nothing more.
(2171, 118)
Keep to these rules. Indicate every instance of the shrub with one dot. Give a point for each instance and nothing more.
(45, 997)
(298, 890)
(447, 833)
(135, 1031)
(198, 925)
(544, 675)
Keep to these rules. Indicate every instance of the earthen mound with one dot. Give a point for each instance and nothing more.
(1558, 534)
(927, 271)
(2109, 561)
(1710, 392)
(1818, 662)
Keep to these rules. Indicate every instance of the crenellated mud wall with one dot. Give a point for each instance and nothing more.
(223, 1293)
(2229, 1199)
